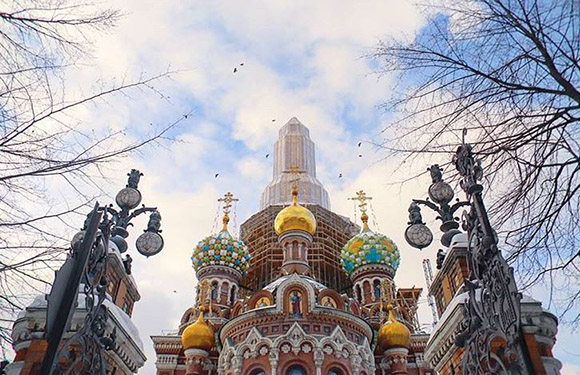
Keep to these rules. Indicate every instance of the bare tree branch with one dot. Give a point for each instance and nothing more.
(507, 71)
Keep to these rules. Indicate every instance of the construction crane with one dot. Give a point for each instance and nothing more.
(429, 279)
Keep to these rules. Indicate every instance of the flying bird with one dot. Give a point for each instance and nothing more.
(267, 156)
(273, 120)
(235, 70)
(175, 291)
(216, 175)
(360, 155)
(340, 175)
(360, 143)
(241, 64)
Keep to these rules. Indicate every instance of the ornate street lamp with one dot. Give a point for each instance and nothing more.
(440, 193)
(491, 330)
(85, 267)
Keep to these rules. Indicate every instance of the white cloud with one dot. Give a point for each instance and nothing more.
(301, 58)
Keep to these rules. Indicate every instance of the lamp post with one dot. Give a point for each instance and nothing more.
(490, 332)
(85, 268)
(441, 194)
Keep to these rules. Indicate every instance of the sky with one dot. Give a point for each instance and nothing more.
(300, 58)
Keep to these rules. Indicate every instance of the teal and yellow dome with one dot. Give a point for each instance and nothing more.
(221, 250)
(369, 247)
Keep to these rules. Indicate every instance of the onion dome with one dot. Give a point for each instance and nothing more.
(369, 247)
(393, 334)
(198, 335)
(295, 217)
(221, 250)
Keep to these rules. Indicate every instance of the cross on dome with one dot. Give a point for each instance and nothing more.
(227, 200)
(362, 198)
(386, 295)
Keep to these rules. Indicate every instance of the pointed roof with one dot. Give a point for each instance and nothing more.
(294, 149)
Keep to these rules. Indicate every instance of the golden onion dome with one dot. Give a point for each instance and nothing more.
(198, 335)
(295, 217)
(393, 334)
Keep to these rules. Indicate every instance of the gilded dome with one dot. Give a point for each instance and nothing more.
(221, 250)
(369, 247)
(295, 217)
(393, 334)
(198, 335)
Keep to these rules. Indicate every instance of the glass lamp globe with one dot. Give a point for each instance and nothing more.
(149, 243)
(441, 192)
(128, 198)
(419, 236)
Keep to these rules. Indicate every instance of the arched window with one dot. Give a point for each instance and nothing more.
(377, 289)
(258, 371)
(214, 290)
(233, 295)
(296, 370)
(335, 371)
(358, 294)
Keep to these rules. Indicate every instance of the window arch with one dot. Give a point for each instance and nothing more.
(258, 371)
(377, 289)
(214, 290)
(335, 371)
(296, 370)
(233, 294)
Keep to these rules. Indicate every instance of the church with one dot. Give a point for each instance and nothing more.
(303, 291)
(306, 291)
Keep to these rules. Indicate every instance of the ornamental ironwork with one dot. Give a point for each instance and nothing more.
(491, 332)
(84, 269)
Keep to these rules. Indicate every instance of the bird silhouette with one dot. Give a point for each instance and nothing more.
(175, 291)
(267, 156)
(216, 175)
(359, 155)
(273, 120)
(241, 64)
(340, 175)
(360, 143)
(235, 70)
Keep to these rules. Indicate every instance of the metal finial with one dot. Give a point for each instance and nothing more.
(295, 171)
(227, 199)
(362, 198)
(386, 296)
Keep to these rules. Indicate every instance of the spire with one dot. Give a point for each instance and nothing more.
(294, 148)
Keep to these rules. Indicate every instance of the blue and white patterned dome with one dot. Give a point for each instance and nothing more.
(221, 249)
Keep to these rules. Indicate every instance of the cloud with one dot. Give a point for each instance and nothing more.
(300, 58)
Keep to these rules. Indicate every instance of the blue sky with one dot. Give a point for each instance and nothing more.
(300, 58)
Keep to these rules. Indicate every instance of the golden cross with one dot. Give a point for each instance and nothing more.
(362, 199)
(386, 295)
(295, 171)
(204, 288)
(228, 199)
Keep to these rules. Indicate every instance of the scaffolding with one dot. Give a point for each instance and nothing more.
(407, 306)
(333, 231)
